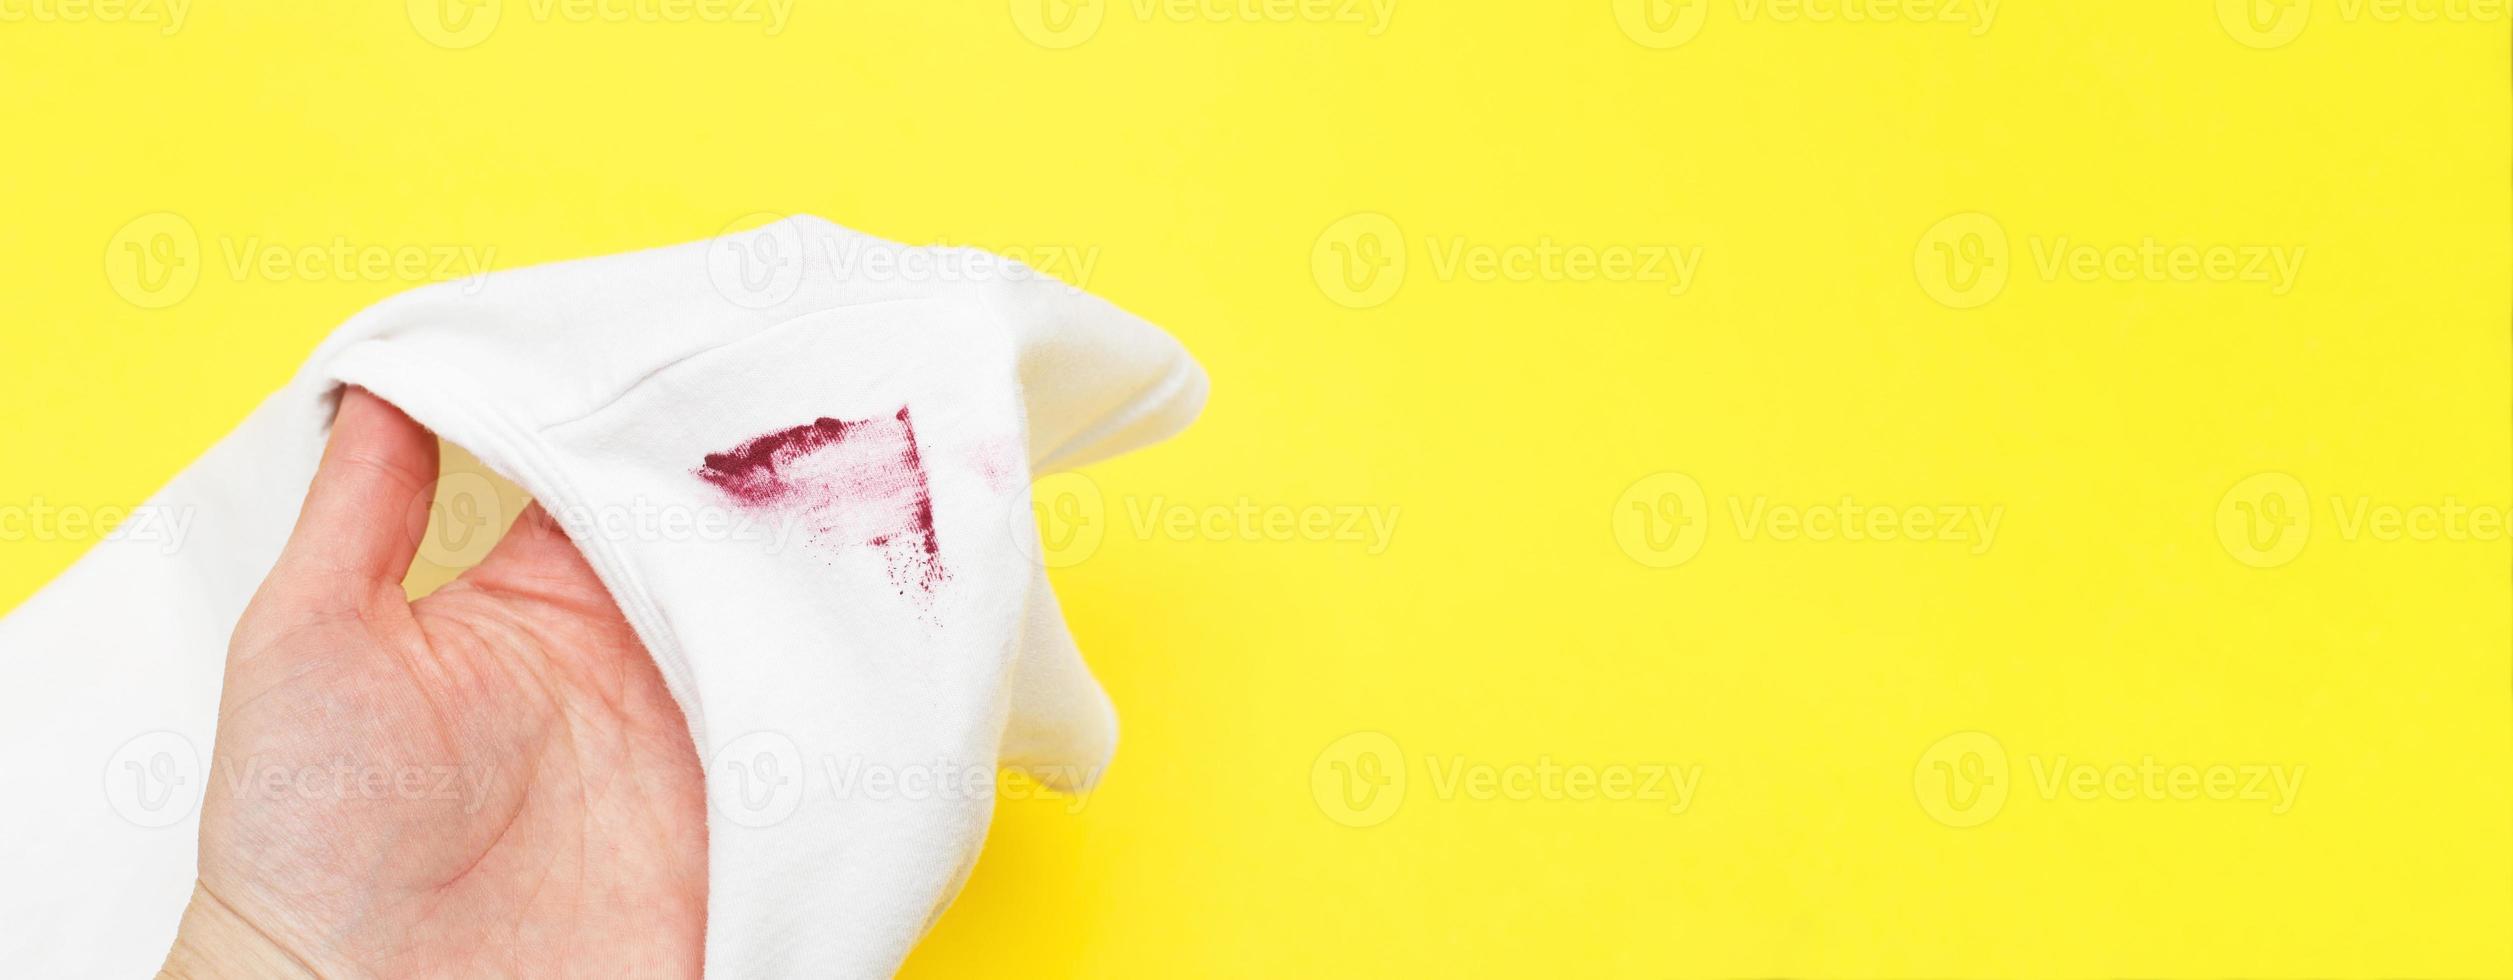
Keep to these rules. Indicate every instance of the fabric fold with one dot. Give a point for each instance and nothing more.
(798, 456)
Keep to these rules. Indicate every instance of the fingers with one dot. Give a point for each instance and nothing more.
(535, 542)
(537, 559)
(364, 515)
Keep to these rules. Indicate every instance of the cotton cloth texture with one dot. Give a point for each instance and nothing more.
(849, 426)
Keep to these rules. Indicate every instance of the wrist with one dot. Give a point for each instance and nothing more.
(217, 941)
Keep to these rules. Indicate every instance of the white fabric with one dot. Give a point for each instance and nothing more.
(809, 652)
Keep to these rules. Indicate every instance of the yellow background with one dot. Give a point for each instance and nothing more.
(1515, 427)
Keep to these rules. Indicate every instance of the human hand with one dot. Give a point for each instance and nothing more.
(489, 781)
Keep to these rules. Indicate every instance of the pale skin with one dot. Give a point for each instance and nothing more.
(503, 786)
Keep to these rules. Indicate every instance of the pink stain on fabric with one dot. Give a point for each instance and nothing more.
(997, 460)
(852, 483)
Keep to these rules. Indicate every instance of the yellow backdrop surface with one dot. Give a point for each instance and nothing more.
(1721, 487)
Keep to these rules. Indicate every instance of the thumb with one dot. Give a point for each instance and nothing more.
(365, 513)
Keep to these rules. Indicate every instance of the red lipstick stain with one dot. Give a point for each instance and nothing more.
(852, 483)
